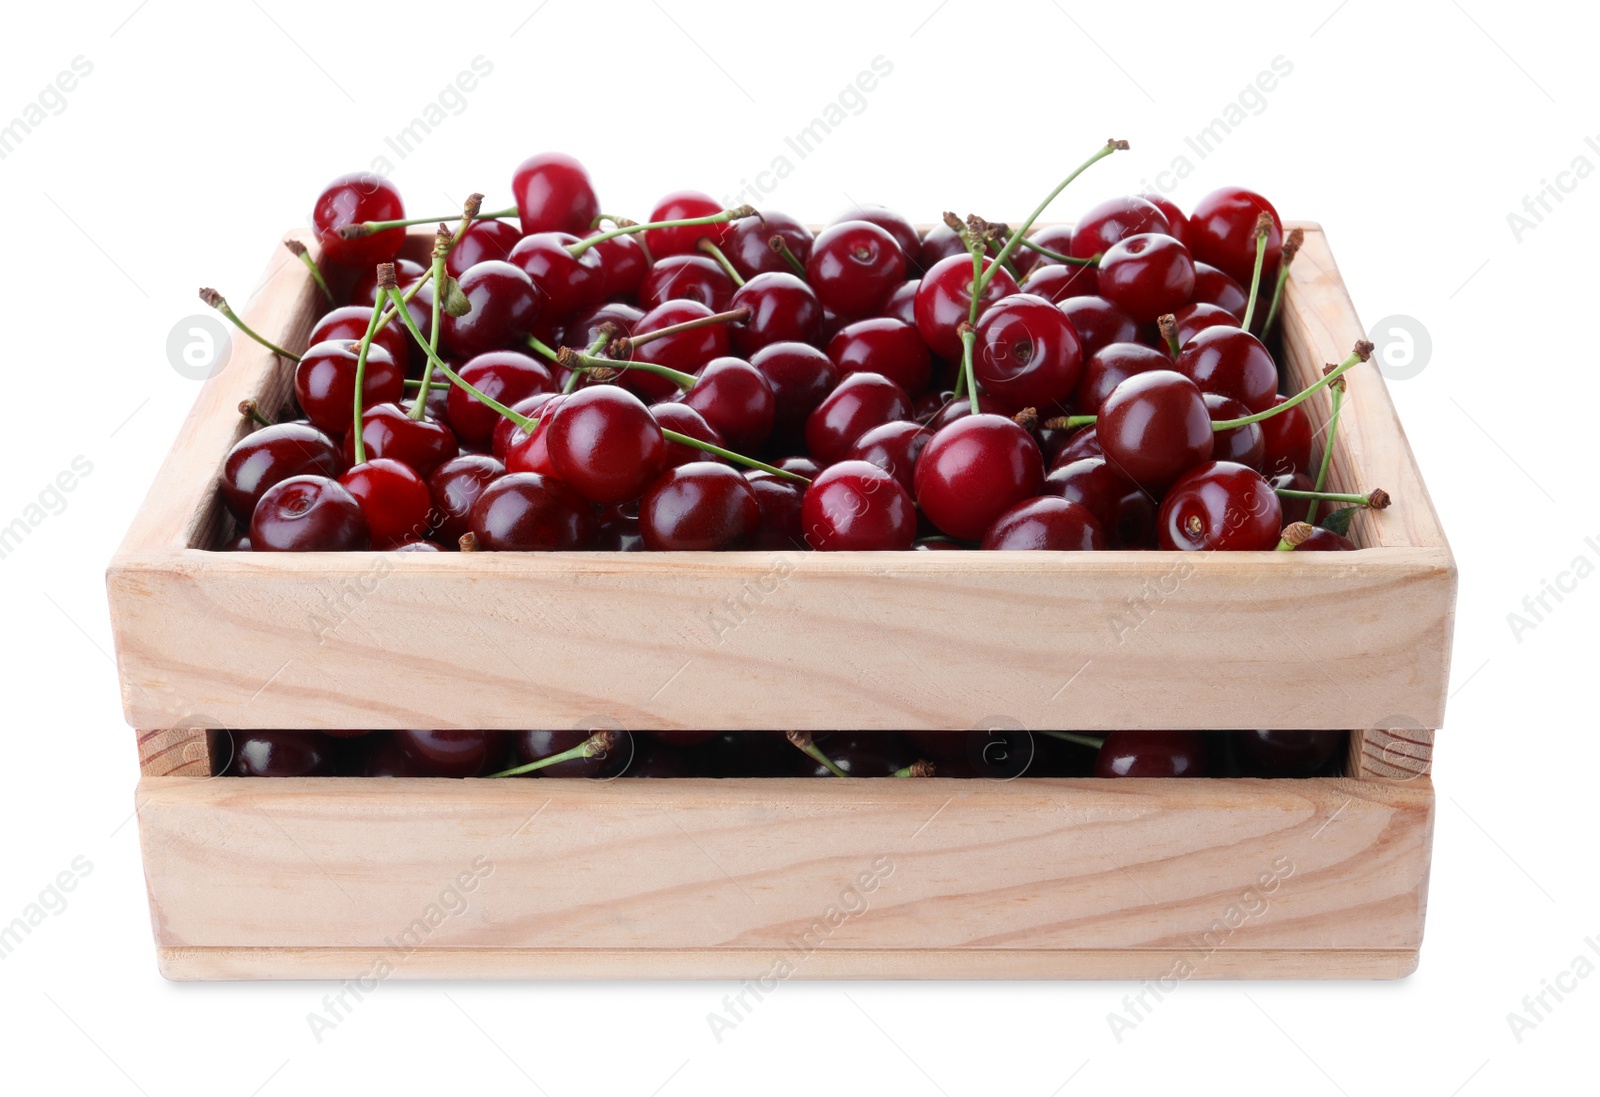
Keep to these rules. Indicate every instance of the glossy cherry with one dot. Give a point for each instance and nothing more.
(1241, 445)
(1214, 287)
(1153, 754)
(348, 324)
(393, 498)
(859, 403)
(860, 754)
(308, 514)
(857, 506)
(1027, 352)
(619, 528)
(274, 754)
(736, 399)
(689, 278)
(453, 753)
(387, 430)
(453, 488)
(606, 444)
(975, 469)
(685, 351)
(941, 242)
(1192, 319)
(349, 200)
(698, 507)
(853, 266)
(1110, 366)
(1056, 282)
(1325, 540)
(1098, 323)
(325, 383)
(528, 512)
(945, 297)
(1222, 232)
(681, 240)
(505, 306)
(488, 239)
(1177, 222)
(531, 746)
(1287, 439)
(884, 346)
(269, 456)
(1229, 361)
(1147, 275)
(554, 194)
(748, 244)
(783, 309)
(1154, 427)
(507, 376)
(896, 225)
(1113, 221)
(1048, 522)
(623, 262)
(510, 439)
(1220, 505)
(675, 416)
(565, 284)
(1286, 753)
(894, 447)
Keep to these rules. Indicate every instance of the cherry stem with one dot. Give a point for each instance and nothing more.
(438, 363)
(1073, 737)
(367, 228)
(706, 245)
(218, 302)
(734, 214)
(1377, 499)
(469, 211)
(596, 746)
(1327, 453)
(1291, 247)
(969, 336)
(1012, 244)
(252, 411)
(441, 248)
(1070, 422)
(919, 768)
(1362, 352)
(1168, 325)
(728, 454)
(385, 284)
(994, 247)
(298, 250)
(587, 362)
(1294, 535)
(543, 350)
(802, 739)
(1069, 260)
(1263, 230)
(781, 246)
(733, 316)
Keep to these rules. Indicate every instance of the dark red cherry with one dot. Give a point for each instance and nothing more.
(678, 206)
(800, 376)
(901, 304)
(1287, 440)
(1220, 505)
(1098, 323)
(1177, 222)
(393, 498)
(508, 376)
(1294, 510)
(604, 442)
(1213, 287)
(737, 401)
(581, 329)
(349, 200)
(504, 308)
(387, 430)
(308, 514)
(856, 506)
(686, 277)
(1231, 362)
(274, 754)
(859, 403)
(378, 754)
(1195, 318)
(1241, 445)
(1083, 442)
(896, 225)
(348, 324)
(269, 456)
(623, 262)
(1110, 366)
(1222, 232)
(698, 507)
(325, 383)
(1057, 282)
(528, 512)
(533, 745)
(884, 346)
(1048, 522)
(489, 239)
(1325, 540)
(1092, 483)
(954, 409)
(1286, 753)
(672, 415)
(1113, 221)
(780, 501)
(509, 438)
(941, 242)
(853, 266)
(452, 753)
(619, 528)
(566, 284)
(1152, 754)
(1027, 352)
(748, 243)
(553, 194)
(419, 306)
(685, 351)
(975, 469)
(945, 297)
(1154, 427)
(860, 754)
(453, 489)
(783, 309)
(800, 466)
(1147, 275)
(894, 447)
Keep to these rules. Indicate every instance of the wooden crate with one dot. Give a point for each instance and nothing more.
(743, 878)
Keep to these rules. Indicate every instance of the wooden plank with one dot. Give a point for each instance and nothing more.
(179, 752)
(1397, 753)
(788, 866)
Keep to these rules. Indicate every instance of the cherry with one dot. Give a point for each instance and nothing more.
(894, 447)
(1056, 282)
(1152, 754)
(554, 194)
(1028, 352)
(685, 351)
(348, 324)
(325, 383)
(583, 328)
(349, 200)
(388, 431)
(534, 745)
(308, 514)
(528, 512)
(453, 488)
(860, 754)
(487, 239)
(1323, 540)
(1177, 223)
(1098, 323)
(698, 507)
(998, 755)
(379, 754)
(1113, 221)
(1192, 319)
(853, 267)
(1213, 287)
(451, 753)
(420, 308)
(1147, 275)
(505, 306)
(567, 284)
(975, 469)
(1299, 753)
(604, 442)
(897, 226)
(509, 438)
(953, 409)
(508, 376)
(623, 262)
(1241, 445)
(945, 297)
(1154, 427)
(859, 403)
(418, 546)
(1049, 522)
(681, 240)
(686, 420)
(393, 498)
(884, 346)
(748, 245)
(1294, 510)
(1287, 439)
(1220, 505)
(800, 466)
(1222, 232)
(274, 754)
(942, 242)
(1231, 362)
(689, 277)
(1110, 366)
(783, 309)
(269, 456)
(736, 400)
(1084, 442)
(780, 501)
(619, 528)
(1092, 483)
(855, 505)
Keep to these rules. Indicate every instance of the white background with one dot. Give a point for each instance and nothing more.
(1410, 131)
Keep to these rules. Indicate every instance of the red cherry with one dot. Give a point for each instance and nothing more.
(860, 402)
(736, 400)
(1113, 221)
(527, 512)
(619, 528)
(748, 248)
(901, 304)
(508, 435)
(1294, 510)
(349, 200)
(325, 383)
(1213, 287)
(685, 351)
(858, 506)
(1057, 282)
(275, 754)
(1154, 427)
(1325, 540)
(1152, 754)
(554, 194)
(945, 297)
(308, 514)
(1220, 505)
(388, 431)
(604, 442)
(1147, 275)
(269, 456)
(1084, 442)
(1177, 223)
(783, 309)
(419, 306)
(1231, 362)
(698, 507)
(393, 498)
(505, 306)
(685, 420)
(623, 262)
(884, 346)
(507, 376)
(531, 452)
(800, 376)
(567, 284)
(453, 753)
(941, 243)
(1049, 522)
(1192, 319)
(1098, 323)
(453, 489)
(894, 447)
(973, 470)
(853, 267)
(1092, 483)
(1241, 445)
(1287, 440)
(679, 206)
(689, 277)
(1222, 232)
(483, 240)
(780, 501)
(348, 324)
(1027, 352)
(896, 225)
(1110, 366)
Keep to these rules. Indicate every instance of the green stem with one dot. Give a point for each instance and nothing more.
(576, 250)
(252, 411)
(1069, 260)
(596, 746)
(438, 363)
(1263, 229)
(1291, 247)
(367, 228)
(802, 740)
(1362, 352)
(969, 336)
(542, 350)
(1329, 496)
(706, 245)
(1013, 243)
(441, 248)
(468, 213)
(583, 362)
(994, 247)
(1073, 737)
(218, 302)
(298, 250)
(732, 316)
(781, 246)
(359, 443)
(728, 454)
(1327, 454)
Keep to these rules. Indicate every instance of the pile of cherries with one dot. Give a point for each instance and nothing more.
(605, 753)
(724, 379)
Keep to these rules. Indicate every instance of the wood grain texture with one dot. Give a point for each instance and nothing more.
(629, 871)
(1398, 753)
(179, 752)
